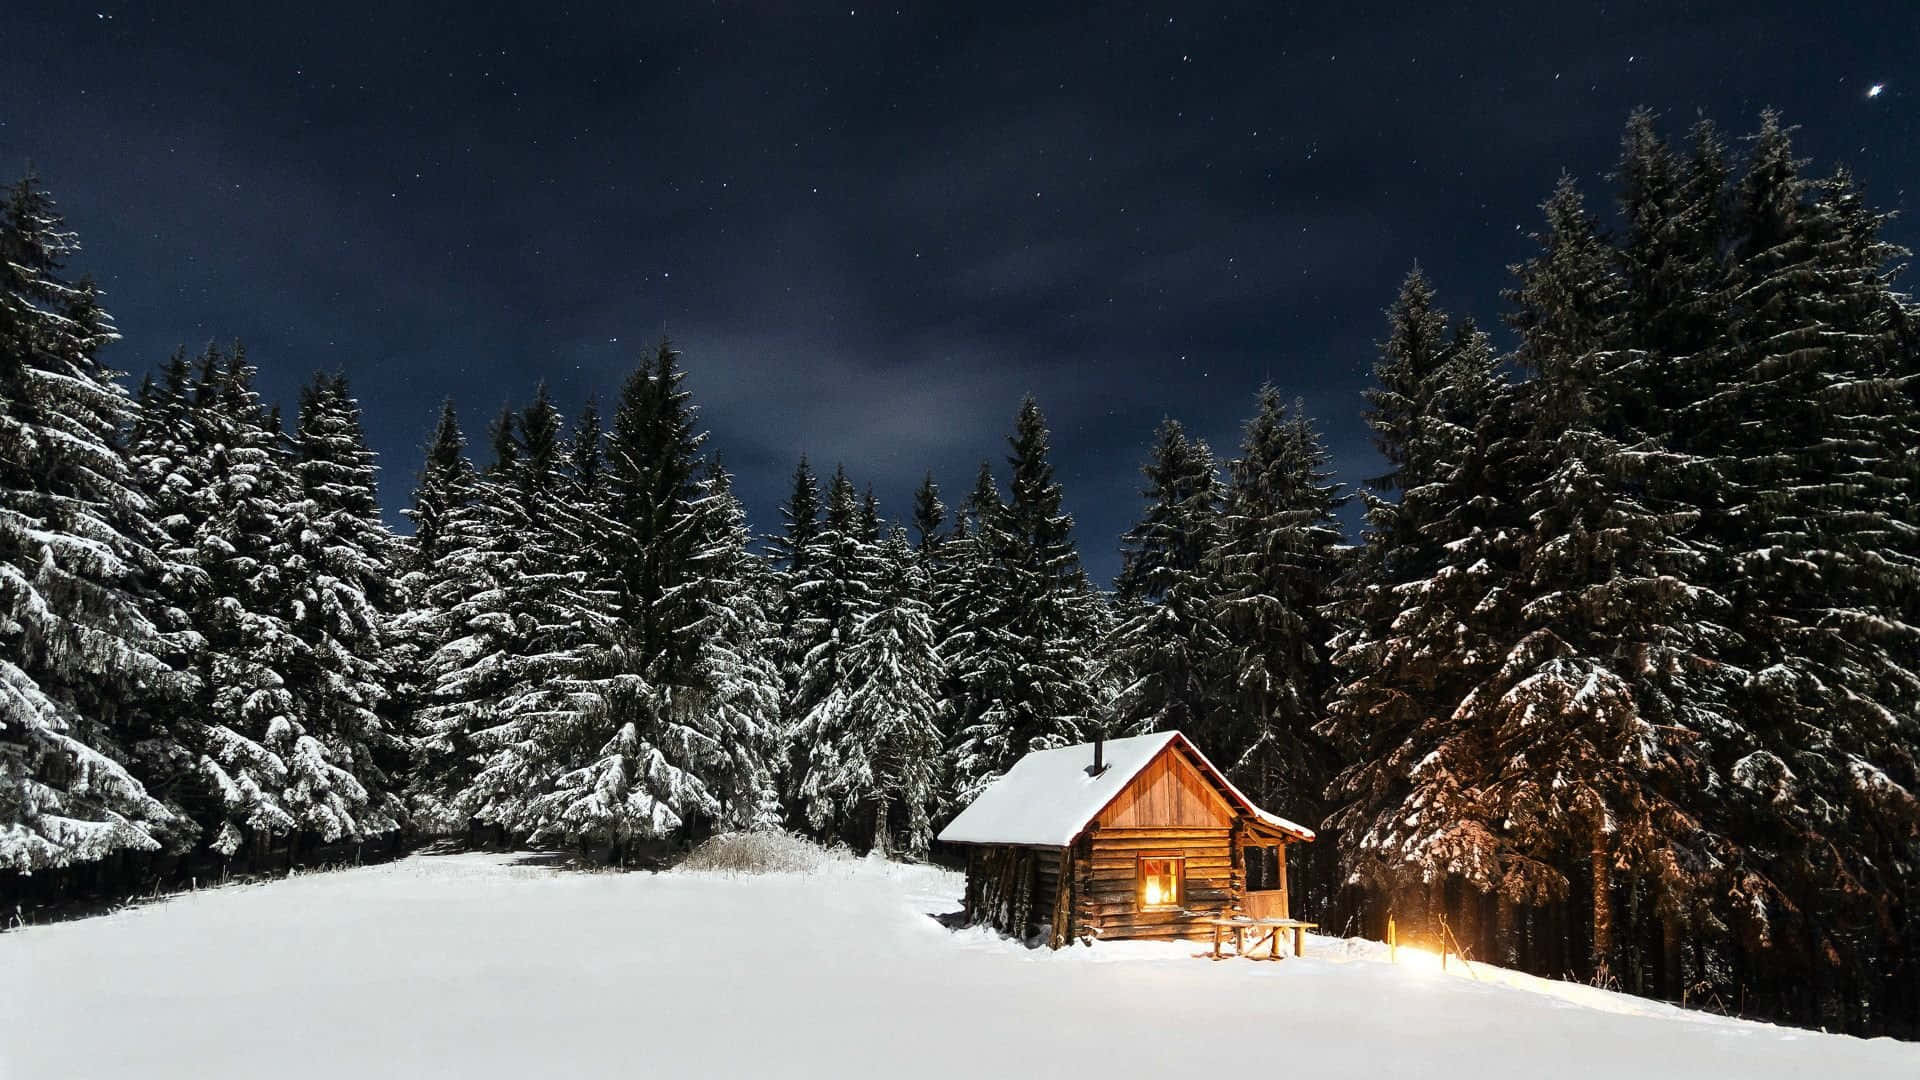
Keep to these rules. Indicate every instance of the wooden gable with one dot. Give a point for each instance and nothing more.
(1171, 792)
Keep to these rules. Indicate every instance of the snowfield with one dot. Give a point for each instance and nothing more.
(483, 966)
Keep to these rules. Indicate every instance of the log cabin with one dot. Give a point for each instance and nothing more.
(1120, 838)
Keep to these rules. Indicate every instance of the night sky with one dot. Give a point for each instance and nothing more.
(872, 230)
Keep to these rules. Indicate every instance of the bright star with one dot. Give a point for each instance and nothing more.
(1874, 90)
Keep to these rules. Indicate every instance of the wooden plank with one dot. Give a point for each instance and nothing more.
(1196, 867)
(1221, 842)
(1164, 831)
(1169, 792)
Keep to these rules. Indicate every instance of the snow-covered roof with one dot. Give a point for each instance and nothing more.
(1047, 797)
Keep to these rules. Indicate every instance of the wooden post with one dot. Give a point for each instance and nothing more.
(1286, 905)
(1393, 943)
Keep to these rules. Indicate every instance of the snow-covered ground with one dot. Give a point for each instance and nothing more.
(482, 966)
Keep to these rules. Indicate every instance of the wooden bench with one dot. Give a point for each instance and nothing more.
(1240, 924)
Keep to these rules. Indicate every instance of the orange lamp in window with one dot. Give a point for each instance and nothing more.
(1160, 881)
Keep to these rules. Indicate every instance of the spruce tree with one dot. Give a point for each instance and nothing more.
(888, 768)
(263, 745)
(79, 655)
(972, 651)
(1032, 642)
(929, 514)
(344, 598)
(740, 688)
(835, 594)
(467, 630)
(1167, 647)
(445, 484)
(1277, 560)
(1387, 692)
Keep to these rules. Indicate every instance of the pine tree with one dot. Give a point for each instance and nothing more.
(1031, 646)
(1387, 694)
(347, 597)
(741, 688)
(1277, 560)
(1428, 615)
(445, 484)
(883, 769)
(468, 632)
(972, 650)
(1810, 442)
(929, 514)
(264, 746)
(788, 552)
(542, 719)
(79, 656)
(611, 738)
(1598, 712)
(835, 594)
(1167, 646)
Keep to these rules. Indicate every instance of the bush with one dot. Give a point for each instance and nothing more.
(770, 852)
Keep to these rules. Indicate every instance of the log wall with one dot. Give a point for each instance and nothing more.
(1017, 890)
(1107, 865)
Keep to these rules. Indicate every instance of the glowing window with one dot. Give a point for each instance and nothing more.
(1162, 881)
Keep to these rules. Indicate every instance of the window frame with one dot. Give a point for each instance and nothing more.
(1177, 866)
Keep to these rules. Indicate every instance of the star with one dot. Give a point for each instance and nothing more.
(1875, 90)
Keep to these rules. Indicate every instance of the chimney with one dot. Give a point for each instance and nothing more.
(1099, 755)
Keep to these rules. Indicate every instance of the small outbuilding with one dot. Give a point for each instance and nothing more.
(1121, 838)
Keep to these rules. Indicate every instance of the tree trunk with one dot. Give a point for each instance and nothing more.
(880, 826)
(1602, 909)
(1673, 977)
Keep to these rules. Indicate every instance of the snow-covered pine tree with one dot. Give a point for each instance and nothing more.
(445, 486)
(1382, 700)
(835, 594)
(623, 747)
(739, 684)
(419, 566)
(1599, 711)
(79, 656)
(787, 553)
(890, 706)
(964, 584)
(261, 749)
(344, 599)
(1167, 646)
(1802, 415)
(1277, 560)
(1029, 651)
(161, 452)
(541, 726)
(1425, 609)
(466, 632)
(929, 514)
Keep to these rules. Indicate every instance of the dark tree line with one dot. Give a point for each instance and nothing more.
(1619, 683)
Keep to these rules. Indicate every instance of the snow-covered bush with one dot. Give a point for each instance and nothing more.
(760, 852)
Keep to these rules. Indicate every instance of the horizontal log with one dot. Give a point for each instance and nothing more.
(1199, 864)
(1130, 862)
(1168, 930)
(1110, 928)
(1109, 881)
(1217, 851)
(1098, 854)
(1220, 841)
(1110, 835)
(1195, 899)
